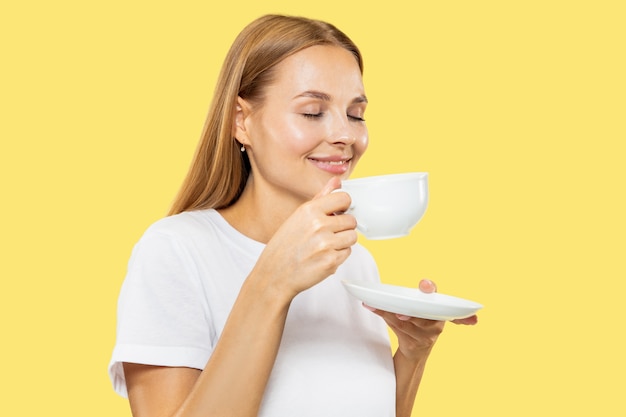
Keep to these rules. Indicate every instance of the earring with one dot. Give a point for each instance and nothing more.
(243, 148)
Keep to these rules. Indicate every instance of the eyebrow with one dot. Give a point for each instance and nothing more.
(325, 97)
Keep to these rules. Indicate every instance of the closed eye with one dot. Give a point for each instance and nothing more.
(356, 118)
(313, 115)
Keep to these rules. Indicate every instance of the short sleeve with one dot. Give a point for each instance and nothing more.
(162, 314)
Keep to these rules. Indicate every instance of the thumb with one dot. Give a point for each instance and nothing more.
(427, 286)
(332, 184)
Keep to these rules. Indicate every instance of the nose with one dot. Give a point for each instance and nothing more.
(345, 139)
(342, 132)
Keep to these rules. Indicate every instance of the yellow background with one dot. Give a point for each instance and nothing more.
(515, 108)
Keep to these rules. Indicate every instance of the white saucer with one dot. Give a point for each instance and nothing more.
(411, 301)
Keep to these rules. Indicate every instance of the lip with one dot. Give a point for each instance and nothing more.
(335, 165)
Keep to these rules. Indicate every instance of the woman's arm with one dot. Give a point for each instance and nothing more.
(307, 248)
(410, 369)
(408, 377)
(234, 379)
(416, 338)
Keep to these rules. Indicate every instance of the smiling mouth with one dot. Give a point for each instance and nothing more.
(335, 167)
(323, 161)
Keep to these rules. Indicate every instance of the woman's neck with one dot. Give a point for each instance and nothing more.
(258, 214)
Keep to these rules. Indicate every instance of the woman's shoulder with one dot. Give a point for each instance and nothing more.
(201, 228)
(177, 236)
(184, 225)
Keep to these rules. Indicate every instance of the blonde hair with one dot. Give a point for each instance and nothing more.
(219, 170)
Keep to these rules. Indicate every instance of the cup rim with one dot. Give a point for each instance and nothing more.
(388, 177)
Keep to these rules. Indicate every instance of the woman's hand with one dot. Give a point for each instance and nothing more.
(416, 336)
(311, 244)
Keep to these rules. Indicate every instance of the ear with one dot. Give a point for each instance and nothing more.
(240, 122)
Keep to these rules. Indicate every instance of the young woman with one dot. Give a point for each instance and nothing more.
(233, 305)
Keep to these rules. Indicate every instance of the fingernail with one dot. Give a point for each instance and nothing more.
(403, 317)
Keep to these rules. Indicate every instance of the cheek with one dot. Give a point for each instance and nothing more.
(281, 134)
(300, 137)
(360, 145)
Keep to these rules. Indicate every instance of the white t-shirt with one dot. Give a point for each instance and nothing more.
(183, 277)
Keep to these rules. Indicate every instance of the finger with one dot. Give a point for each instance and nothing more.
(333, 203)
(413, 327)
(468, 321)
(392, 319)
(345, 239)
(395, 320)
(427, 286)
(343, 222)
(370, 308)
(332, 184)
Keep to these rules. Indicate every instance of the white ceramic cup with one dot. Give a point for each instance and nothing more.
(387, 206)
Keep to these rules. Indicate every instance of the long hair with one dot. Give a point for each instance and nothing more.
(219, 170)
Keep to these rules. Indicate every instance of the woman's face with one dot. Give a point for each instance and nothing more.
(309, 126)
